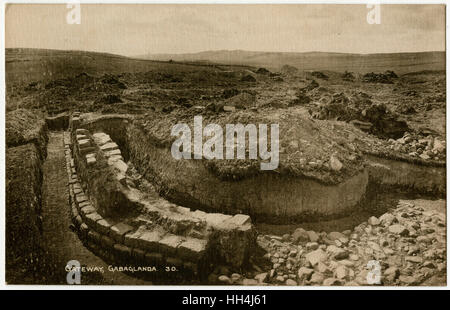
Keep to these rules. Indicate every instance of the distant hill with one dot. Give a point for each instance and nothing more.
(361, 63)
(25, 65)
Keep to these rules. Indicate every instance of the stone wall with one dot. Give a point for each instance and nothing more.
(266, 196)
(109, 211)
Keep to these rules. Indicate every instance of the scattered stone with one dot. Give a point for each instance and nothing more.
(235, 277)
(391, 273)
(322, 268)
(337, 253)
(354, 257)
(335, 235)
(291, 282)
(387, 219)
(408, 280)
(249, 282)
(331, 282)
(279, 278)
(312, 246)
(300, 235)
(374, 221)
(225, 280)
(398, 229)
(262, 277)
(341, 272)
(304, 273)
(414, 259)
(317, 278)
(316, 256)
(335, 163)
(227, 108)
(313, 236)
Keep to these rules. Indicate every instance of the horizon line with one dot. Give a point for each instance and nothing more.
(225, 50)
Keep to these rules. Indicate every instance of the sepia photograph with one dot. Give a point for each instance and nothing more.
(225, 145)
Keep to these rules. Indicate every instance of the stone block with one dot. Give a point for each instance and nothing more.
(73, 179)
(78, 221)
(199, 214)
(107, 242)
(216, 219)
(149, 240)
(90, 160)
(84, 143)
(80, 198)
(131, 239)
(92, 218)
(101, 138)
(113, 158)
(112, 153)
(138, 253)
(154, 258)
(122, 250)
(83, 204)
(175, 262)
(109, 147)
(169, 244)
(74, 211)
(120, 165)
(118, 231)
(192, 249)
(84, 229)
(103, 226)
(94, 236)
(76, 185)
(239, 220)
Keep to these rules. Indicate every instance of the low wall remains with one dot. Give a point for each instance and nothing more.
(110, 211)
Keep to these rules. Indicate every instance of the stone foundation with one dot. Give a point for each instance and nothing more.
(264, 196)
(110, 211)
(269, 197)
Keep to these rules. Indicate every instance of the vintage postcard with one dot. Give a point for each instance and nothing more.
(299, 144)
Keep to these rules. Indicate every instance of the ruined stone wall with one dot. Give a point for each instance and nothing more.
(267, 196)
(137, 228)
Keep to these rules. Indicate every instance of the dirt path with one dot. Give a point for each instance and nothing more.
(59, 242)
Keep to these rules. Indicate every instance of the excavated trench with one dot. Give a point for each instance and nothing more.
(170, 197)
(268, 198)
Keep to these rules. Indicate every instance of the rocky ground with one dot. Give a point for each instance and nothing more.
(397, 116)
(405, 246)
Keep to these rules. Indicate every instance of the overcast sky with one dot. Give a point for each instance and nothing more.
(141, 29)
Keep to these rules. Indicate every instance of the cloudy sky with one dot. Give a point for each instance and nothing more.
(141, 29)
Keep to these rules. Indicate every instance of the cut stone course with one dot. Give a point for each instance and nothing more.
(164, 232)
